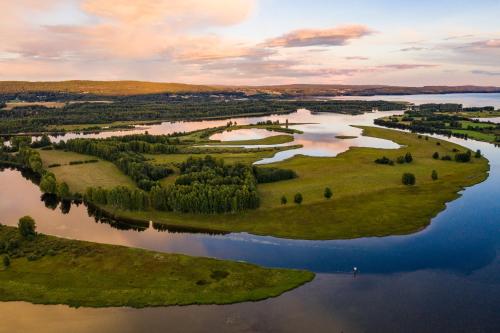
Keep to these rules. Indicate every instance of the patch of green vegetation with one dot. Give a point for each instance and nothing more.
(466, 123)
(271, 140)
(345, 137)
(368, 199)
(481, 114)
(50, 270)
(475, 135)
(80, 176)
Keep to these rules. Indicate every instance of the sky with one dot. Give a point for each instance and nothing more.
(252, 42)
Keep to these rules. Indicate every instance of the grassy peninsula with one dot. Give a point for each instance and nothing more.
(52, 270)
(368, 199)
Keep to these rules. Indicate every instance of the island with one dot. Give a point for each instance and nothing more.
(44, 269)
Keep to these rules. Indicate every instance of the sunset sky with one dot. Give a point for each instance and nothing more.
(252, 41)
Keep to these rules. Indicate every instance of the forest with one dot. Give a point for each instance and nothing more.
(38, 118)
(205, 185)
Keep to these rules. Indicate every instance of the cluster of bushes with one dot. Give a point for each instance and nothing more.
(269, 175)
(407, 158)
(384, 160)
(463, 157)
(82, 162)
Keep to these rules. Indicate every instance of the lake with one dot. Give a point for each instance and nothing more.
(443, 278)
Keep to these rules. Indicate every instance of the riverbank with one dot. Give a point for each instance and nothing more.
(52, 270)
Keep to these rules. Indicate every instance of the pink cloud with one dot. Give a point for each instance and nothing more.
(340, 35)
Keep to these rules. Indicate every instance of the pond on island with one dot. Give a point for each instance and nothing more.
(443, 278)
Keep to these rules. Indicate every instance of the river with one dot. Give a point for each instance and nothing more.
(444, 278)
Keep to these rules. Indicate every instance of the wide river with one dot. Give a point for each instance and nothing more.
(444, 278)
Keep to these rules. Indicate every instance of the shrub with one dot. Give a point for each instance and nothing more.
(283, 200)
(384, 160)
(298, 198)
(328, 193)
(400, 159)
(435, 156)
(408, 179)
(54, 165)
(6, 261)
(269, 175)
(446, 158)
(434, 175)
(463, 157)
(477, 154)
(438, 143)
(408, 158)
(27, 227)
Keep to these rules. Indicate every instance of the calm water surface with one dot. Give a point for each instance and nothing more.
(444, 278)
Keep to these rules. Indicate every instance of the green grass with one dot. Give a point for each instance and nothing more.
(80, 176)
(80, 273)
(346, 137)
(481, 136)
(271, 140)
(465, 124)
(368, 199)
(481, 114)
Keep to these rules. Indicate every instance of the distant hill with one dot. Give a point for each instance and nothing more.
(126, 88)
(103, 88)
(363, 90)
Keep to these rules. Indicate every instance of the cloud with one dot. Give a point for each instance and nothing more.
(484, 72)
(340, 35)
(485, 44)
(406, 66)
(356, 58)
(185, 12)
(413, 48)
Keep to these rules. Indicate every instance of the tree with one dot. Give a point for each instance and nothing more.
(6, 261)
(463, 157)
(283, 200)
(408, 179)
(48, 183)
(400, 159)
(27, 227)
(298, 198)
(63, 190)
(434, 175)
(408, 158)
(328, 193)
(477, 154)
(435, 155)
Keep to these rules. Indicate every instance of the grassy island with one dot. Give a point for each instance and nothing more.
(368, 199)
(51, 270)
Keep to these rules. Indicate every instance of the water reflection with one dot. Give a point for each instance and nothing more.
(467, 100)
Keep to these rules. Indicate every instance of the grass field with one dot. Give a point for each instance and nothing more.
(80, 176)
(368, 199)
(481, 136)
(95, 275)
